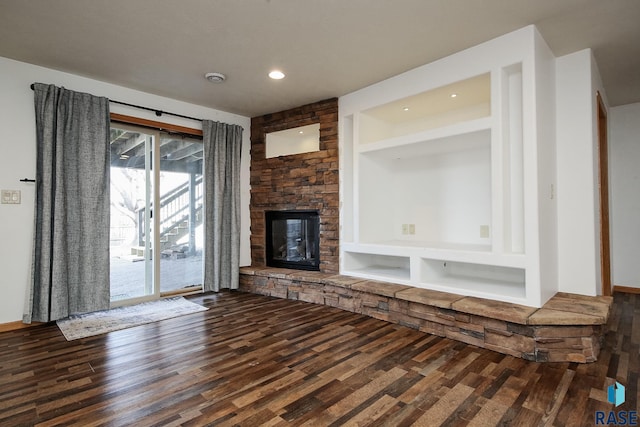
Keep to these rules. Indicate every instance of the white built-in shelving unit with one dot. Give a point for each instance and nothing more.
(440, 175)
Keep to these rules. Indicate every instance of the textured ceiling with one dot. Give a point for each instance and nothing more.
(327, 48)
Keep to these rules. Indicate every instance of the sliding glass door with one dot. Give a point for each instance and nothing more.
(156, 214)
(131, 242)
(180, 214)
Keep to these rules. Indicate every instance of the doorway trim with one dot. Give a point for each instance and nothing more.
(603, 190)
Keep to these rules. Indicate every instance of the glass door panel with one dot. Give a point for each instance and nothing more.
(180, 214)
(131, 234)
(156, 230)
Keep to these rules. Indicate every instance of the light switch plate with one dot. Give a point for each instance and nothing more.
(11, 197)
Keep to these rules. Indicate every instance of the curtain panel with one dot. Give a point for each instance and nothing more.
(222, 149)
(70, 263)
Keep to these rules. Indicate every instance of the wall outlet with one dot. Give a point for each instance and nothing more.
(412, 229)
(405, 228)
(484, 231)
(11, 197)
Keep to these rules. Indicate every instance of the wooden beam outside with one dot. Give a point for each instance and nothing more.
(122, 118)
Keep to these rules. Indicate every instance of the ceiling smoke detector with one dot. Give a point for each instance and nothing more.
(215, 77)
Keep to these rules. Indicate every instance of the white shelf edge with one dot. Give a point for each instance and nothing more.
(468, 256)
(375, 249)
(428, 135)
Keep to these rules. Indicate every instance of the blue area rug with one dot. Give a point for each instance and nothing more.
(100, 322)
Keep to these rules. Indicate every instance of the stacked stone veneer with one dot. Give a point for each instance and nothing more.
(300, 181)
(569, 328)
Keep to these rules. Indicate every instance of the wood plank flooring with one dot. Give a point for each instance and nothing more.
(252, 360)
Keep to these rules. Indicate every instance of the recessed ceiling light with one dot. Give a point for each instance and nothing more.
(405, 109)
(453, 95)
(276, 74)
(300, 132)
(215, 77)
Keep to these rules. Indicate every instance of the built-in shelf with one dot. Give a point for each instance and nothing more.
(434, 186)
(480, 288)
(457, 253)
(473, 277)
(376, 266)
(442, 188)
(488, 276)
(455, 103)
(458, 137)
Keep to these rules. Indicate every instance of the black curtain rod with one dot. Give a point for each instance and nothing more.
(158, 112)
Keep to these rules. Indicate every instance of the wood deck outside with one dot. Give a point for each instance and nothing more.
(254, 360)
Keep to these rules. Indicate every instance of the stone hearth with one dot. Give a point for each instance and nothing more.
(568, 328)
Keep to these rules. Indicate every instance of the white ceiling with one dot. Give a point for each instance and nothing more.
(327, 48)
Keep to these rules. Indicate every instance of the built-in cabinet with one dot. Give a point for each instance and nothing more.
(440, 177)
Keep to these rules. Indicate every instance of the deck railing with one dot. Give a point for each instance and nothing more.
(178, 207)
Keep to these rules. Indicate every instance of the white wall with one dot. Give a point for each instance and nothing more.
(577, 80)
(18, 158)
(447, 196)
(624, 181)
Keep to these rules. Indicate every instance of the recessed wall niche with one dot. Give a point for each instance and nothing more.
(298, 140)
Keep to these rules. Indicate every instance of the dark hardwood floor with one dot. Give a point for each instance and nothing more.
(252, 360)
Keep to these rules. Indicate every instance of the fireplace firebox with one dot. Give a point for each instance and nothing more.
(293, 239)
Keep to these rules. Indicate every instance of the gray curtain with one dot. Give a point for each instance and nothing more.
(222, 148)
(70, 270)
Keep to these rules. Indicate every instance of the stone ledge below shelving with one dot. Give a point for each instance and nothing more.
(568, 328)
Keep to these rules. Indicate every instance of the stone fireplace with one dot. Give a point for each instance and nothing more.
(298, 182)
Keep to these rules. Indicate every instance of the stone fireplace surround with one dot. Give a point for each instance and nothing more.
(307, 181)
(569, 328)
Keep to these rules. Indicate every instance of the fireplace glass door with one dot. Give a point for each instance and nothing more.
(292, 239)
